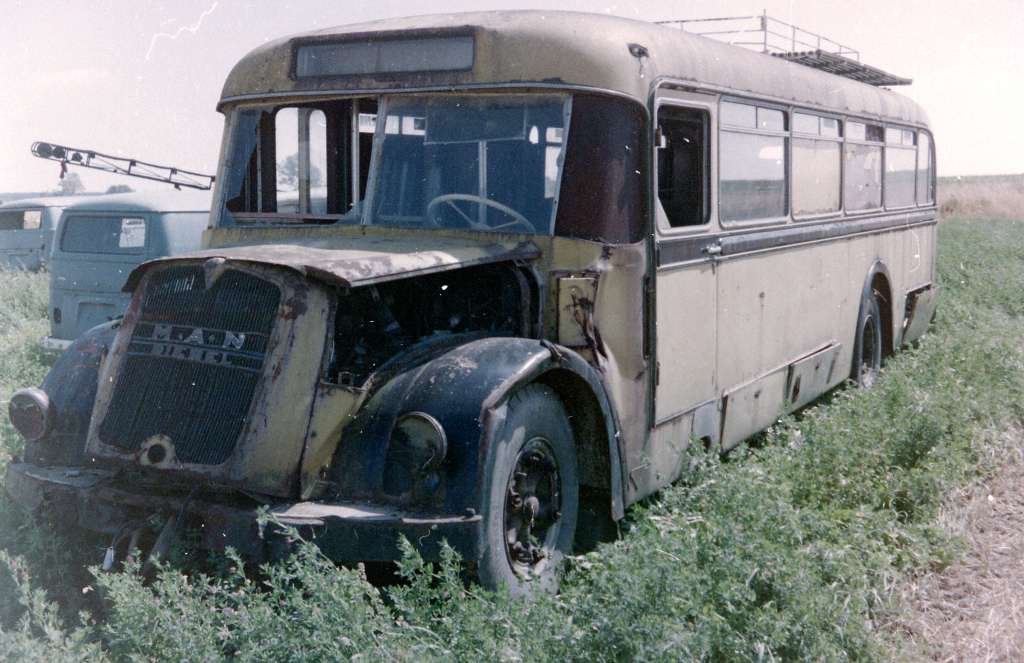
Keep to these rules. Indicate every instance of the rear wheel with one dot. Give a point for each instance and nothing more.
(533, 496)
(867, 349)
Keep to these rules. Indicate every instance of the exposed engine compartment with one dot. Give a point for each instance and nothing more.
(372, 324)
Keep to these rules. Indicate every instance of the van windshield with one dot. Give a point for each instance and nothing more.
(486, 162)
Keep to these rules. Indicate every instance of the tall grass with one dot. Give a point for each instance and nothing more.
(783, 551)
(982, 197)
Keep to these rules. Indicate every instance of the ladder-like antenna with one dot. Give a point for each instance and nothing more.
(120, 166)
(783, 40)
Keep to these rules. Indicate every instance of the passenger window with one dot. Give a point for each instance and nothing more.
(816, 165)
(900, 167)
(925, 190)
(862, 173)
(682, 170)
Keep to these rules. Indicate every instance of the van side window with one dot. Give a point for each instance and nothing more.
(682, 165)
(752, 163)
(103, 234)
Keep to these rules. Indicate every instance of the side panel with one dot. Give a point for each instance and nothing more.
(777, 306)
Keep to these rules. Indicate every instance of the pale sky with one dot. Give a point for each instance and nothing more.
(142, 79)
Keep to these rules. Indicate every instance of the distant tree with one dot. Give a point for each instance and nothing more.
(119, 188)
(71, 184)
(288, 173)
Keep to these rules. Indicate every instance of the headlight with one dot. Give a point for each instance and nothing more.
(31, 413)
(418, 442)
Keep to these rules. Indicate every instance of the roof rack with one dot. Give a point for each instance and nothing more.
(782, 40)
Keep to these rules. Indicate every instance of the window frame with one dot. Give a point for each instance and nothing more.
(887, 126)
(65, 223)
(839, 140)
(786, 136)
(932, 172)
(708, 109)
(870, 143)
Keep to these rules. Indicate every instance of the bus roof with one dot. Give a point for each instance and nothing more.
(568, 50)
(144, 201)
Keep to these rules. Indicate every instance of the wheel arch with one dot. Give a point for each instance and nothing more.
(590, 412)
(467, 389)
(879, 280)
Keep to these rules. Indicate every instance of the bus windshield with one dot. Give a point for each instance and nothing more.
(485, 162)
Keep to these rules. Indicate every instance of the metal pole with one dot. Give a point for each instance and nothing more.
(764, 29)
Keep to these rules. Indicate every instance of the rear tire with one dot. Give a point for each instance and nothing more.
(867, 347)
(532, 496)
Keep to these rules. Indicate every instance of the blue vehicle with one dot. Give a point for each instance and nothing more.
(99, 240)
(26, 231)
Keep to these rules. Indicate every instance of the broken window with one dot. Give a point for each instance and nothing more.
(682, 170)
(300, 161)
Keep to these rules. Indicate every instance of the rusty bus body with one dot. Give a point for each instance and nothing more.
(639, 226)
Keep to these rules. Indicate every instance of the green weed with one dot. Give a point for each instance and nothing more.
(783, 551)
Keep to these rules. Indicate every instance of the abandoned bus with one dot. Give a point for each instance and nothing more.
(547, 252)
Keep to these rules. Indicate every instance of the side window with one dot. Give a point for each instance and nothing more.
(862, 187)
(816, 159)
(752, 163)
(33, 219)
(925, 189)
(900, 166)
(103, 234)
(682, 165)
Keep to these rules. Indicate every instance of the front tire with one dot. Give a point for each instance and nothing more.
(867, 347)
(532, 491)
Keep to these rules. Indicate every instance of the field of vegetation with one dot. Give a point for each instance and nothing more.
(791, 548)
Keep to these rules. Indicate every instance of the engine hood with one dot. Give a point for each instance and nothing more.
(365, 260)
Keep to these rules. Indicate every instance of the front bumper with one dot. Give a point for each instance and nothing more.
(346, 532)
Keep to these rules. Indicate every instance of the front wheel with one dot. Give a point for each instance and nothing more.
(532, 489)
(867, 347)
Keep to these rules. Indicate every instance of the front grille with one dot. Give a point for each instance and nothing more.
(193, 363)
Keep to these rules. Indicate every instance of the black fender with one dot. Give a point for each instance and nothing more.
(71, 386)
(465, 389)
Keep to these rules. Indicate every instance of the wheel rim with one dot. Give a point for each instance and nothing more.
(533, 503)
(870, 358)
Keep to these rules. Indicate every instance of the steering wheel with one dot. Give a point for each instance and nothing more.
(450, 199)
